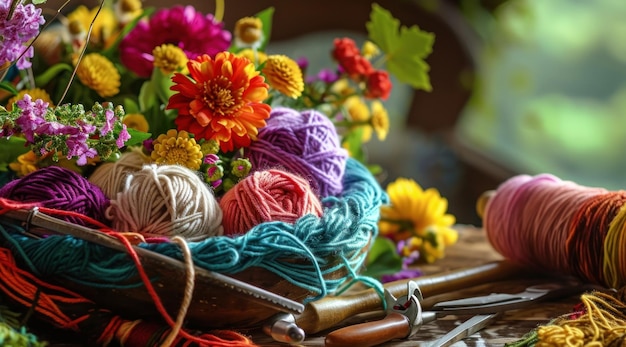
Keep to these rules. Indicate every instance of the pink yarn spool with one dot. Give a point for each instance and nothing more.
(264, 196)
(304, 143)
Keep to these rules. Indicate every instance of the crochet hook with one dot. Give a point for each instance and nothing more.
(332, 310)
(33, 219)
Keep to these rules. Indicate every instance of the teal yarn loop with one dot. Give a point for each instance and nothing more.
(304, 253)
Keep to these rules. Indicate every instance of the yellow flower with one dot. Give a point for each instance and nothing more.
(380, 120)
(416, 212)
(177, 148)
(136, 121)
(98, 73)
(253, 55)
(248, 32)
(127, 10)
(25, 164)
(104, 26)
(370, 50)
(360, 114)
(284, 75)
(170, 58)
(35, 93)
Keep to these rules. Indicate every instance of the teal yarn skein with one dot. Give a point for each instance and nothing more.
(344, 231)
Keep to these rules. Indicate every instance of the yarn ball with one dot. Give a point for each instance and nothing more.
(110, 177)
(265, 196)
(61, 189)
(305, 143)
(166, 201)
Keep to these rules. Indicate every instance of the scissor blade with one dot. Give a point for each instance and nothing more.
(466, 329)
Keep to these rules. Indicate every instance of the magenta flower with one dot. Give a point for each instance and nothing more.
(16, 31)
(192, 31)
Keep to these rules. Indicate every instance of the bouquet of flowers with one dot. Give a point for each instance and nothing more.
(170, 86)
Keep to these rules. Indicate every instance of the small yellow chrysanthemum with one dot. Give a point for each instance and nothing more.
(98, 73)
(35, 93)
(414, 212)
(177, 148)
(170, 58)
(248, 32)
(370, 50)
(104, 26)
(380, 120)
(343, 87)
(359, 114)
(136, 121)
(253, 55)
(25, 164)
(284, 75)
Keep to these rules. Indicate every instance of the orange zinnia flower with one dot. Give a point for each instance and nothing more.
(222, 100)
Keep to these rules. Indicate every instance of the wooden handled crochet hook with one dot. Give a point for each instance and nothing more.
(330, 311)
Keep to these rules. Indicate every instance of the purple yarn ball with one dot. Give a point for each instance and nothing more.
(304, 143)
(59, 188)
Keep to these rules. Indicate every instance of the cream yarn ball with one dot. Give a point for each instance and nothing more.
(166, 200)
(110, 177)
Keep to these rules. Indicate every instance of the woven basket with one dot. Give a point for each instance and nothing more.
(316, 256)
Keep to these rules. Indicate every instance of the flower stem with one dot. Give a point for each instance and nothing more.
(219, 10)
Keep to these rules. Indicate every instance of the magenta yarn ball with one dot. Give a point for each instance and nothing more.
(61, 189)
(305, 143)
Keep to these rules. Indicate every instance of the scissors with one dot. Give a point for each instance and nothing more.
(405, 315)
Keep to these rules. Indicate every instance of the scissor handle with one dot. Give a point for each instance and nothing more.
(393, 326)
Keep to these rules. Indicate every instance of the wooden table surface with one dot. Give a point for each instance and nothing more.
(472, 249)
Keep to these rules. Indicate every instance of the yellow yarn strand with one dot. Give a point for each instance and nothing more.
(603, 324)
(614, 257)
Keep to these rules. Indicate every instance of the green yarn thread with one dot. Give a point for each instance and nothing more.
(334, 241)
(11, 334)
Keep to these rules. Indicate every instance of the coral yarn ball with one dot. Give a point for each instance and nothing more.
(266, 196)
(166, 201)
(61, 189)
(305, 143)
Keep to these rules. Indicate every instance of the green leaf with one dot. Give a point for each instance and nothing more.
(130, 106)
(405, 48)
(266, 18)
(8, 86)
(161, 84)
(147, 96)
(136, 137)
(382, 259)
(38, 2)
(52, 72)
(11, 149)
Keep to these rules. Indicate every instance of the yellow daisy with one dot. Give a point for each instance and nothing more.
(104, 26)
(35, 93)
(370, 50)
(359, 114)
(98, 73)
(284, 75)
(416, 212)
(380, 120)
(136, 121)
(177, 148)
(170, 58)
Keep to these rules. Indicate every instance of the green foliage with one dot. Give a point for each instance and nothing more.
(405, 48)
(12, 147)
(382, 259)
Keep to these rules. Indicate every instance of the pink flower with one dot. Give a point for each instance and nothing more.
(196, 34)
